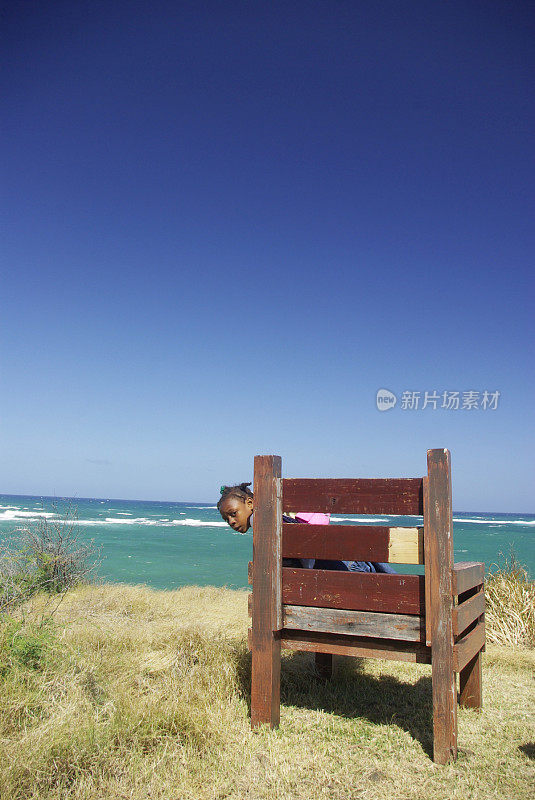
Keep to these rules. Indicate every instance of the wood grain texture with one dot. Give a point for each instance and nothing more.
(427, 556)
(250, 573)
(353, 542)
(439, 564)
(358, 623)
(406, 546)
(465, 613)
(471, 683)
(267, 611)
(353, 495)
(342, 542)
(355, 591)
(466, 575)
(467, 647)
(362, 647)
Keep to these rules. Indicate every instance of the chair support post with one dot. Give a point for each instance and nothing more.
(439, 532)
(267, 587)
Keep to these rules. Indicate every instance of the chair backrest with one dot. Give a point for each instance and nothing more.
(288, 591)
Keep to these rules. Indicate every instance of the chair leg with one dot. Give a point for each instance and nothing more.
(470, 694)
(324, 665)
(444, 712)
(265, 681)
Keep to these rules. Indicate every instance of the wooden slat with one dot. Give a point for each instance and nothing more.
(466, 575)
(353, 542)
(406, 546)
(439, 563)
(427, 555)
(275, 514)
(406, 627)
(267, 611)
(356, 646)
(250, 573)
(342, 542)
(353, 495)
(465, 649)
(471, 683)
(467, 612)
(468, 594)
(250, 605)
(355, 591)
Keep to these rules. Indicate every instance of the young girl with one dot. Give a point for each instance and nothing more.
(236, 506)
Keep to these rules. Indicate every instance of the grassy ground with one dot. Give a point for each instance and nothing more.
(133, 693)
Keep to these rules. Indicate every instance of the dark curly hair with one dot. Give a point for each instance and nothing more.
(241, 490)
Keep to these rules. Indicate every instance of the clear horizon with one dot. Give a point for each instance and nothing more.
(60, 498)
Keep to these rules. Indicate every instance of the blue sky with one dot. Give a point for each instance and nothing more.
(226, 225)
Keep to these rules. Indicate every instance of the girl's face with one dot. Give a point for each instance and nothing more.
(237, 513)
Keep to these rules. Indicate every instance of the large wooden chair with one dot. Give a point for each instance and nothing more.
(436, 619)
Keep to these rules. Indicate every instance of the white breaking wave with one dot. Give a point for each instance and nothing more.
(17, 514)
(495, 521)
(198, 523)
(200, 506)
(116, 521)
(473, 520)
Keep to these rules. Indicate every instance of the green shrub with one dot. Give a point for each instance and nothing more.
(24, 644)
(47, 556)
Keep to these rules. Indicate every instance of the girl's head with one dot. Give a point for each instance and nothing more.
(236, 506)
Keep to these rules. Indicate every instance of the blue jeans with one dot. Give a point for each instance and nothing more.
(369, 566)
(341, 566)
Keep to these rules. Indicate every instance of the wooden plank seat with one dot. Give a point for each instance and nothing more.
(436, 618)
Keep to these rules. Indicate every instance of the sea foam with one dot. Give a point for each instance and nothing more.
(489, 522)
(200, 507)
(17, 514)
(198, 523)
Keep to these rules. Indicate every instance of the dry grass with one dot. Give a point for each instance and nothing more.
(510, 606)
(142, 694)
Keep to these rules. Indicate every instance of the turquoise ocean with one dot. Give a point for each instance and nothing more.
(169, 544)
